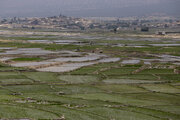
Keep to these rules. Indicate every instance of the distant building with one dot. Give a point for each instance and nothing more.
(144, 29)
(160, 33)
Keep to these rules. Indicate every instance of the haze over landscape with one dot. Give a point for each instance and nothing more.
(89, 60)
(87, 8)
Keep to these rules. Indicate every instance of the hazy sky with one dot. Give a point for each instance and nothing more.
(87, 8)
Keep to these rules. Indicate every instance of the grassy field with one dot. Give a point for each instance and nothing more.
(103, 91)
(26, 59)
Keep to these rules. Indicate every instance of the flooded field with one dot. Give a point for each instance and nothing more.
(130, 61)
(164, 59)
(109, 60)
(82, 76)
(66, 67)
(70, 60)
(61, 42)
(28, 52)
(165, 45)
(26, 64)
(6, 48)
(89, 57)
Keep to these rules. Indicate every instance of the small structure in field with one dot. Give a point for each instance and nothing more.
(160, 33)
(144, 29)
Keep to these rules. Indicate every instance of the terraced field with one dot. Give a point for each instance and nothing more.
(86, 81)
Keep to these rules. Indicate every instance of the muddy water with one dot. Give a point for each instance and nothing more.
(163, 59)
(71, 54)
(28, 64)
(73, 66)
(40, 41)
(89, 57)
(52, 65)
(66, 67)
(63, 42)
(164, 45)
(130, 61)
(106, 60)
(169, 58)
(7, 48)
(28, 51)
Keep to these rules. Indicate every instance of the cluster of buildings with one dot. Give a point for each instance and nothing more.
(58, 22)
(143, 24)
(63, 22)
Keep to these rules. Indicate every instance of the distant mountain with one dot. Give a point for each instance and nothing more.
(86, 8)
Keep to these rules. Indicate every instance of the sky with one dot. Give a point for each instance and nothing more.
(87, 8)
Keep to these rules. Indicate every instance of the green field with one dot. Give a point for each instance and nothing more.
(102, 91)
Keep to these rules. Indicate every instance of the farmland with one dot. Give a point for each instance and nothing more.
(89, 76)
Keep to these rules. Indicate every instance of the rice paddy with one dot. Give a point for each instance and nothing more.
(81, 78)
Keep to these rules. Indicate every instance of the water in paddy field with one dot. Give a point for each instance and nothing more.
(130, 61)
